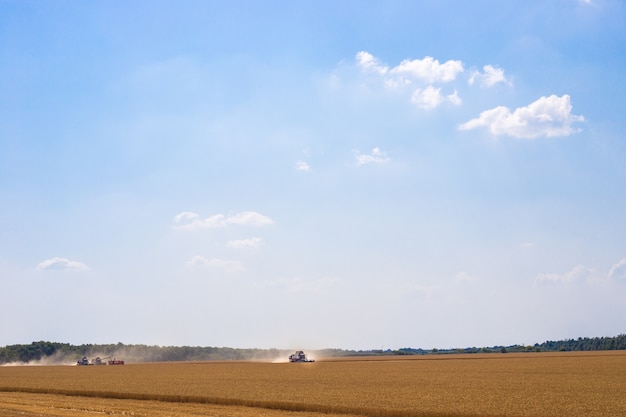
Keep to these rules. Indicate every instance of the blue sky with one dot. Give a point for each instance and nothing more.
(312, 174)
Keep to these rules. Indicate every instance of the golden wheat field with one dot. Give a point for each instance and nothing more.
(529, 384)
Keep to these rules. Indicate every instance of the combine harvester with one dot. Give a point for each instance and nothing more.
(299, 356)
(99, 361)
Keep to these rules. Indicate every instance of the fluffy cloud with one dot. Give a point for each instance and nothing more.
(419, 75)
(376, 157)
(428, 69)
(61, 264)
(368, 62)
(431, 97)
(192, 221)
(547, 117)
(580, 272)
(231, 267)
(489, 77)
(253, 242)
(618, 271)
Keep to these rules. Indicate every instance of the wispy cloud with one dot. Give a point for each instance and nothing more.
(579, 273)
(376, 157)
(547, 117)
(303, 166)
(463, 277)
(192, 221)
(61, 264)
(252, 242)
(618, 271)
(299, 285)
(489, 77)
(228, 266)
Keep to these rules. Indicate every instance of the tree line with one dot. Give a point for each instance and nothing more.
(586, 343)
(59, 353)
(65, 353)
(580, 344)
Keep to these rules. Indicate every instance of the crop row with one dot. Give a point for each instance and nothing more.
(270, 405)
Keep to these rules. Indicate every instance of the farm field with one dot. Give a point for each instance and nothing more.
(529, 384)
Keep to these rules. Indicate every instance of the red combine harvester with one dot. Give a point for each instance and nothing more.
(99, 361)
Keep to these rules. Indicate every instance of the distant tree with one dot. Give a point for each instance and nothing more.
(143, 353)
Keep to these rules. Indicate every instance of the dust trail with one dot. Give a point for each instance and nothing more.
(56, 359)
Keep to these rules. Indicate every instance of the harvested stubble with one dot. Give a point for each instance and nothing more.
(534, 384)
(19, 404)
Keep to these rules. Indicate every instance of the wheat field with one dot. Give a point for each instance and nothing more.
(528, 384)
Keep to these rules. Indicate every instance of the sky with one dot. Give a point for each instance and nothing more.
(312, 174)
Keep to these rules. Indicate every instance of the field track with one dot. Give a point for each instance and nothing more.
(525, 385)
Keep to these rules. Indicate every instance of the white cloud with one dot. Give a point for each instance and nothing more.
(463, 277)
(186, 217)
(376, 157)
(231, 267)
(253, 242)
(418, 75)
(454, 98)
(618, 271)
(192, 221)
(428, 69)
(61, 264)
(188, 220)
(431, 97)
(547, 117)
(489, 77)
(578, 273)
(368, 62)
(303, 166)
